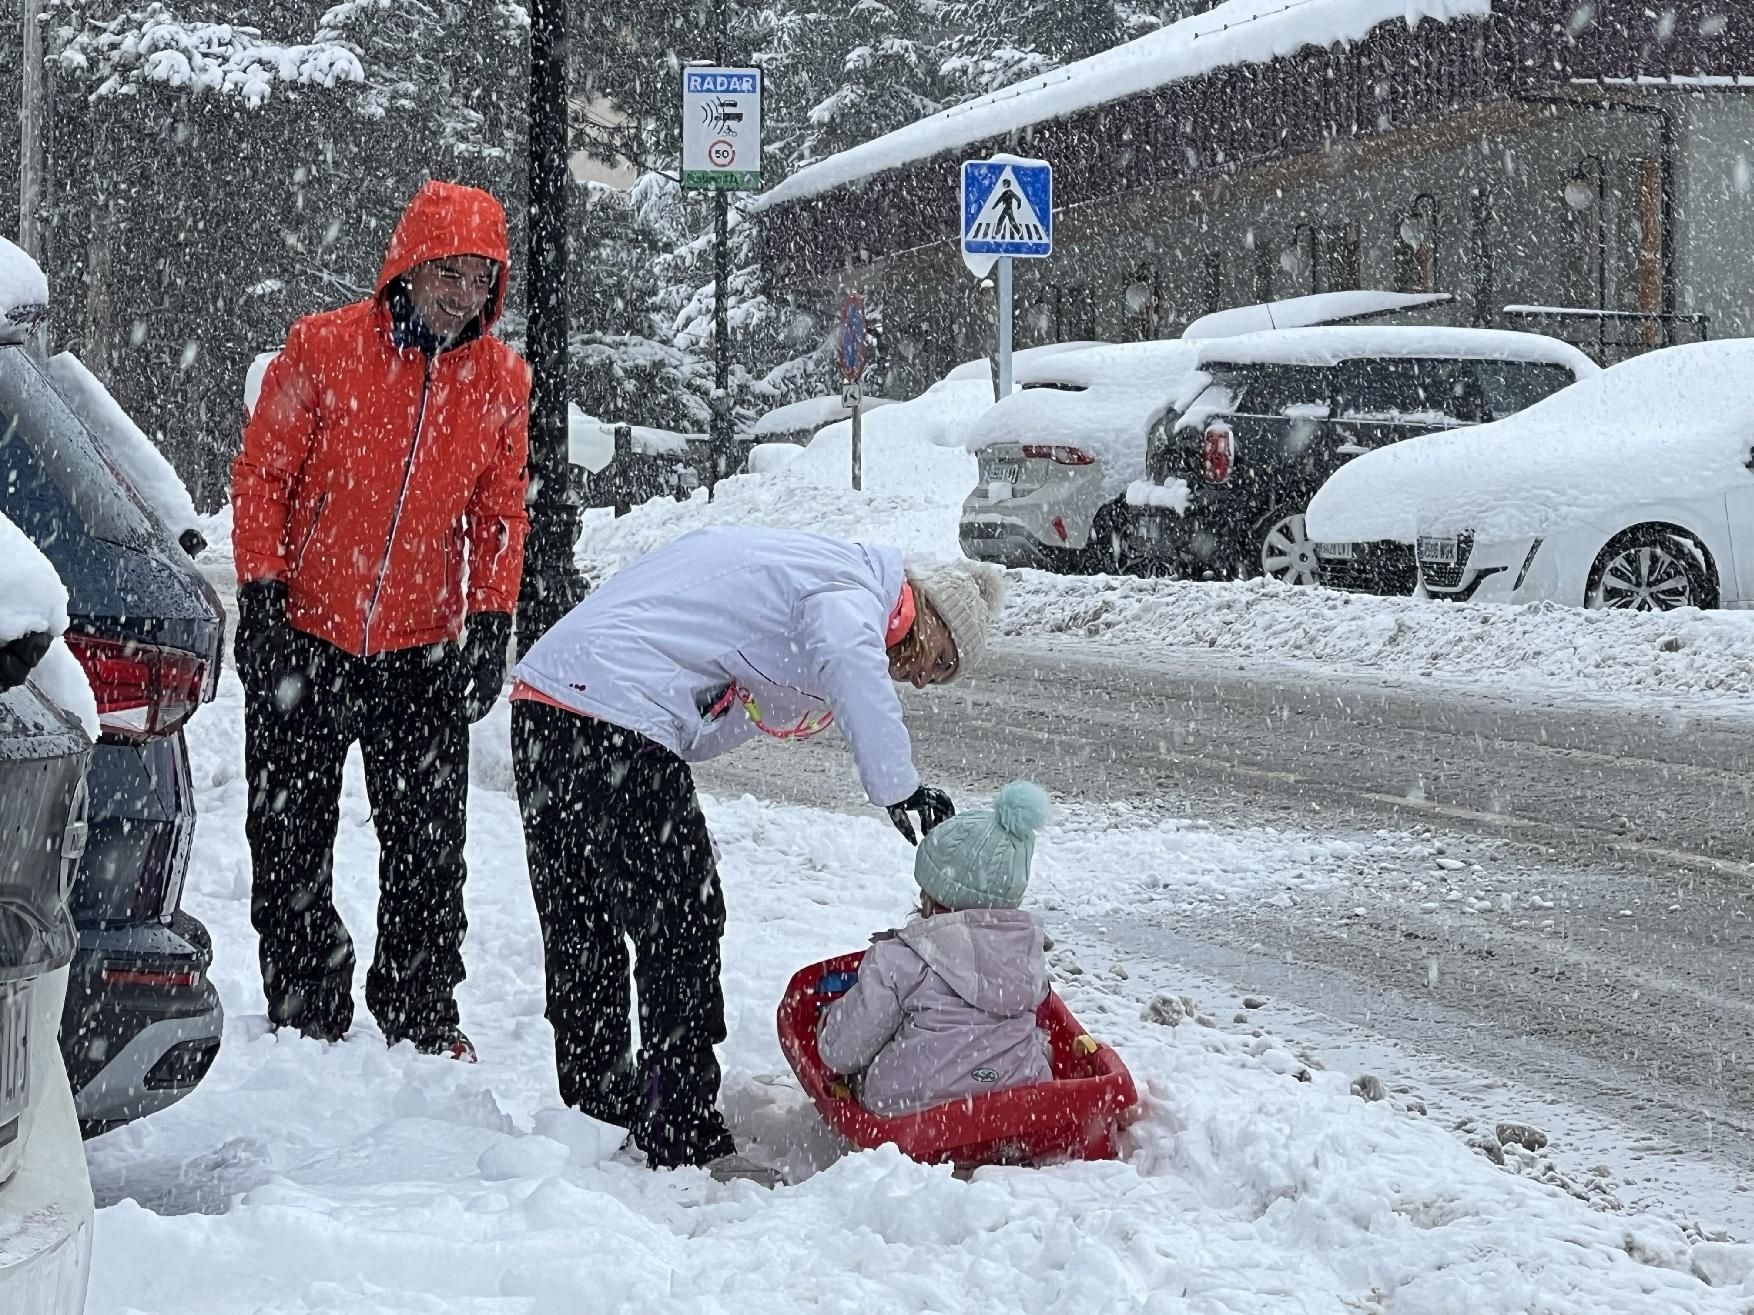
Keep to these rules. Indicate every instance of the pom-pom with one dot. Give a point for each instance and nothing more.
(1021, 809)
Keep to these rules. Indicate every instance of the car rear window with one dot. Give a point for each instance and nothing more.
(1512, 386)
(50, 467)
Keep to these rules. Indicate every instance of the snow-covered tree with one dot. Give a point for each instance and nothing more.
(890, 73)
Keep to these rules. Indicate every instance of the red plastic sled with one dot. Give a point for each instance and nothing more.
(1073, 1117)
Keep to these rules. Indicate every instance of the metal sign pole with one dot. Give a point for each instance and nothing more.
(1004, 326)
(858, 449)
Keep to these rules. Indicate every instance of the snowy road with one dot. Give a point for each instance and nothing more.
(1600, 949)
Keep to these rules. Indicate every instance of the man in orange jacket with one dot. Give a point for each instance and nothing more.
(378, 520)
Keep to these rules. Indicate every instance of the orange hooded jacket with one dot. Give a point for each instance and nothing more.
(375, 479)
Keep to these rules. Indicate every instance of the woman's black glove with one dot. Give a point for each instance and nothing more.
(483, 659)
(933, 806)
(18, 657)
(262, 629)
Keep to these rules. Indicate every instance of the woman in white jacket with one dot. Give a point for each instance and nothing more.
(722, 636)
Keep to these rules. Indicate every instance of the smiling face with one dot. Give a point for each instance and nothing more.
(449, 293)
(926, 654)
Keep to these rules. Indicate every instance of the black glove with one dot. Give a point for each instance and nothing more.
(19, 657)
(933, 806)
(483, 661)
(262, 628)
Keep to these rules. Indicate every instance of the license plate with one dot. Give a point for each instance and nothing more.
(1442, 551)
(1335, 552)
(14, 1059)
(1002, 472)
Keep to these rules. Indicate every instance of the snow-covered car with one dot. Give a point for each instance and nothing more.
(1063, 463)
(142, 1021)
(47, 719)
(798, 422)
(1633, 489)
(1229, 476)
(1057, 458)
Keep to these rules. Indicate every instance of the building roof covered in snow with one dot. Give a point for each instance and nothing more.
(1245, 82)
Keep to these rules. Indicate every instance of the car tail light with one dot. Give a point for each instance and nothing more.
(1059, 454)
(165, 978)
(1217, 451)
(143, 691)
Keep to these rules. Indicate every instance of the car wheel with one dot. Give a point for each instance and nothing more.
(1652, 568)
(1284, 550)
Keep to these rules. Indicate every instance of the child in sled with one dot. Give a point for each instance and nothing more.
(945, 1006)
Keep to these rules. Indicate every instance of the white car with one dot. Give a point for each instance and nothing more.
(1057, 458)
(1631, 489)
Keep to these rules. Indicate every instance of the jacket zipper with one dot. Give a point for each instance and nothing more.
(371, 607)
(310, 534)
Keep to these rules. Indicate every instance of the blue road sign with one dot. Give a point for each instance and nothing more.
(1007, 207)
(850, 345)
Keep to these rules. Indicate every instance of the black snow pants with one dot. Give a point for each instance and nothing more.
(618, 850)
(300, 717)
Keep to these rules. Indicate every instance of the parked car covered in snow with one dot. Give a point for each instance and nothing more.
(798, 422)
(1232, 473)
(1057, 457)
(47, 717)
(142, 1021)
(1633, 489)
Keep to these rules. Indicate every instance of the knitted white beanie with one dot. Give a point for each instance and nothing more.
(969, 596)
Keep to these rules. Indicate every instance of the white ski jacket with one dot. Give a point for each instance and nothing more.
(729, 633)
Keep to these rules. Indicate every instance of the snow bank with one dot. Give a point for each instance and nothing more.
(1597, 654)
(1232, 33)
(33, 600)
(357, 1180)
(1332, 344)
(24, 295)
(137, 456)
(1302, 312)
(1672, 425)
(915, 475)
(809, 415)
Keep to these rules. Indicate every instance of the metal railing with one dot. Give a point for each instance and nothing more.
(1610, 336)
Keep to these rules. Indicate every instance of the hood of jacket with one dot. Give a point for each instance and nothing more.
(992, 958)
(448, 219)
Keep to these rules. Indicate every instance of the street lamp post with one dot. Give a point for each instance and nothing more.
(551, 583)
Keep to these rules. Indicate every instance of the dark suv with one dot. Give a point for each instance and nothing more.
(142, 1021)
(1281, 411)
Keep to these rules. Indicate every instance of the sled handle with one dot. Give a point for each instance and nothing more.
(836, 983)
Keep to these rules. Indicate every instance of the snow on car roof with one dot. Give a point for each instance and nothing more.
(1026, 362)
(24, 294)
(810, 414)
(137, 456)
(1302, 312)
(1235, 32)
(1663, 426)
(1331, 344)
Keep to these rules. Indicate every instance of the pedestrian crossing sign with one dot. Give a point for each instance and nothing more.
(1007, 207)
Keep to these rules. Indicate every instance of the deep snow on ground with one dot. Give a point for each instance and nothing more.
(353, 1179)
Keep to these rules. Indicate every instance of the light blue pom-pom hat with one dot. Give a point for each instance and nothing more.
(980, 859)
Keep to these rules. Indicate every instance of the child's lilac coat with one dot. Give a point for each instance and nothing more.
(945, 1007)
